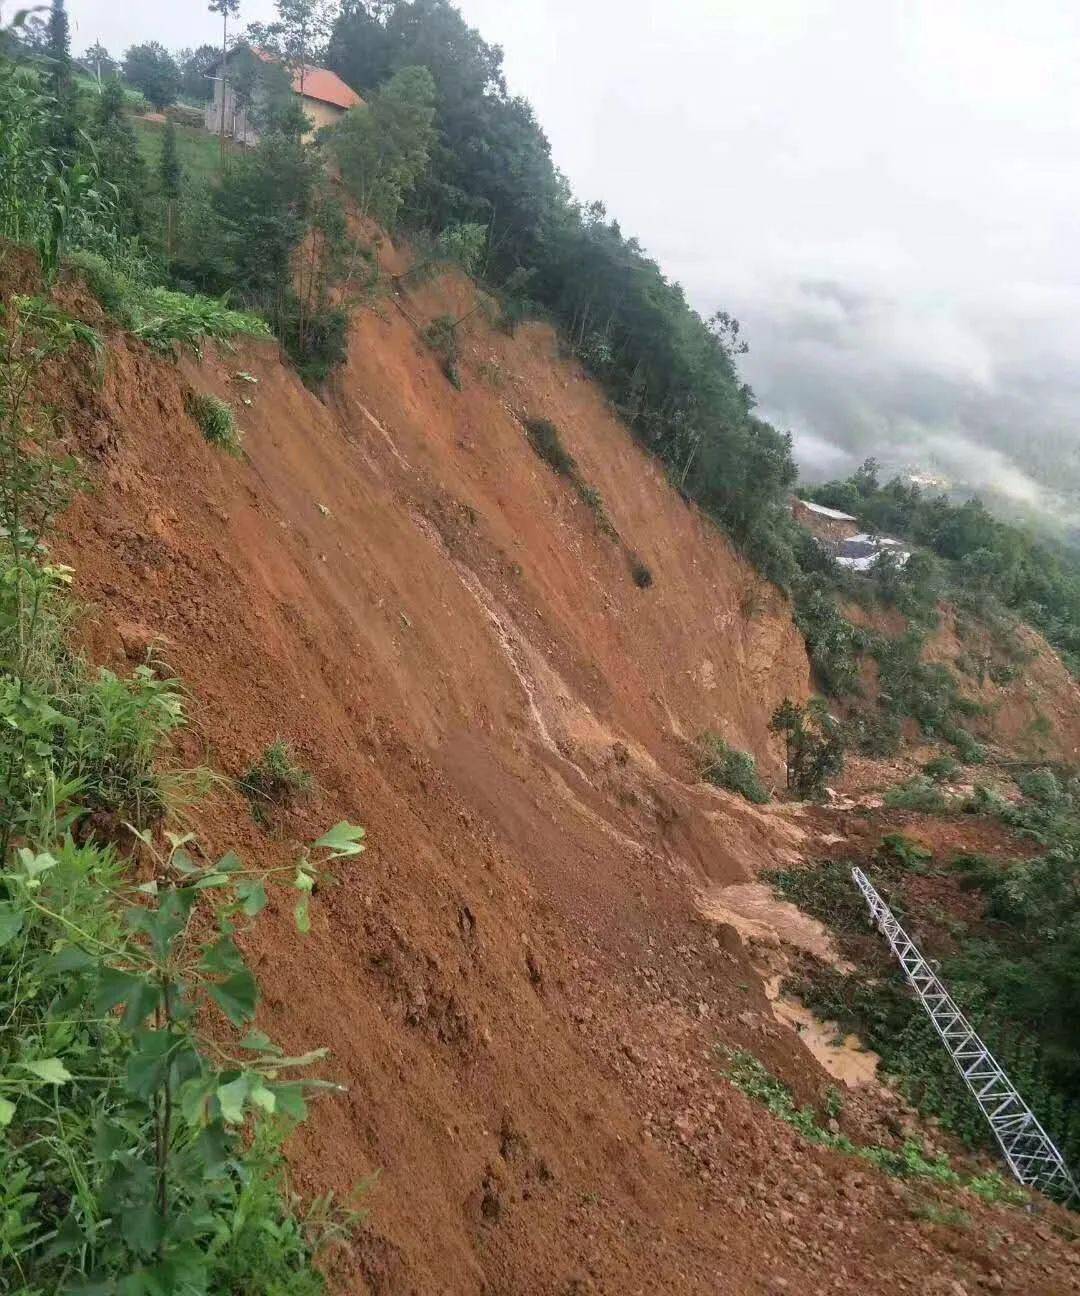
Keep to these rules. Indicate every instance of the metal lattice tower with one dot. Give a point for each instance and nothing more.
(1028, 1149)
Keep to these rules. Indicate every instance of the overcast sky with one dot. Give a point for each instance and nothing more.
(884, 191)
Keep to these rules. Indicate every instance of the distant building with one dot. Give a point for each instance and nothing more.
(860, 552)
(840, 536)
(322, 94)
(825, 523)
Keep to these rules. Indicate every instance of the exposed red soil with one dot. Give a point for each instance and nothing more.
(514, 981)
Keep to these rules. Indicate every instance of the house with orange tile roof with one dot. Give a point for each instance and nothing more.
(323, 96)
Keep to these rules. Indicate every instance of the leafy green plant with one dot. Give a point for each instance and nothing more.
(729, 768)
(215, 419)
(641, 573)
(166, 321)
(126, 1120)
(813, 742)
(545, 440)
(942, 769)
(904, 851)
(276, 779)
(917, 793)
(441, 336)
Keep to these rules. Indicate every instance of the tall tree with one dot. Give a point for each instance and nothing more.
(118, 158)
(196, 71)
(169, 177)
(300, 32)
(228, 9)
(65, 131)
(100, 62)
(383, 146)
(152, 69)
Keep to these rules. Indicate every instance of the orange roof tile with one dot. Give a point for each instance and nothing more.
(319, 83)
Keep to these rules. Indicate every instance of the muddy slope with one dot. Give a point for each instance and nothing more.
(514, 981)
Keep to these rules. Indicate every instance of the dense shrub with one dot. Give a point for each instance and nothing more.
(730, 768)
(215, 419)
(813, 742)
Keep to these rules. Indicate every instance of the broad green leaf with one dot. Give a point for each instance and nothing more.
(229, 863)
(7, 1111)
(194, 1098)
(343, 839)
(212, 880)
(303, 881)
(183, 863)
(51, 1070)
(222, 957)
(303, 916)
(261, 1095)
(252, 896)
(70, 958)
(258, 1041)
(148, 1064)
(231, 1097)
(148, 888)
(35, 865)
(115, 986)
(11, 923)
(142, 1227)
(237, 997)
(290, 1101)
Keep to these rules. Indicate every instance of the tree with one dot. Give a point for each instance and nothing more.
(228, 9)
(119, 160)
(813, 742)
(196, 67)
(383, 146)
(100, 62)
(152, 69)
(169, 177)
(65, 131)
(302, 28)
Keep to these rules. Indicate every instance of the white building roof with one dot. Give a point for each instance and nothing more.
(826, 512)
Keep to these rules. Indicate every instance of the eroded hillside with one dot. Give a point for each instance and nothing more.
(517, 982)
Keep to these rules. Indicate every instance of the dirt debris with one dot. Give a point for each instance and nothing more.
(517, 989)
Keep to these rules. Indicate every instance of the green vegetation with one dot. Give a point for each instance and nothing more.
(919, 793)
(640, 573)
(942, 769)
(142, 1130)
(215, 419)
(276, 780)
(198, 152)
(813, 745)
(911, 1161)
(730, 768)
(163, 319)
(991, 566)
(1014, 971)
(545, 440)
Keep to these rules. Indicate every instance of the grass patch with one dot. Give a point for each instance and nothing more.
(276, 780)
(165, 320)
(918, 793)
(198, 151)
(545, 440)
(728, 767)
(215, 419)
(910, 1161)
